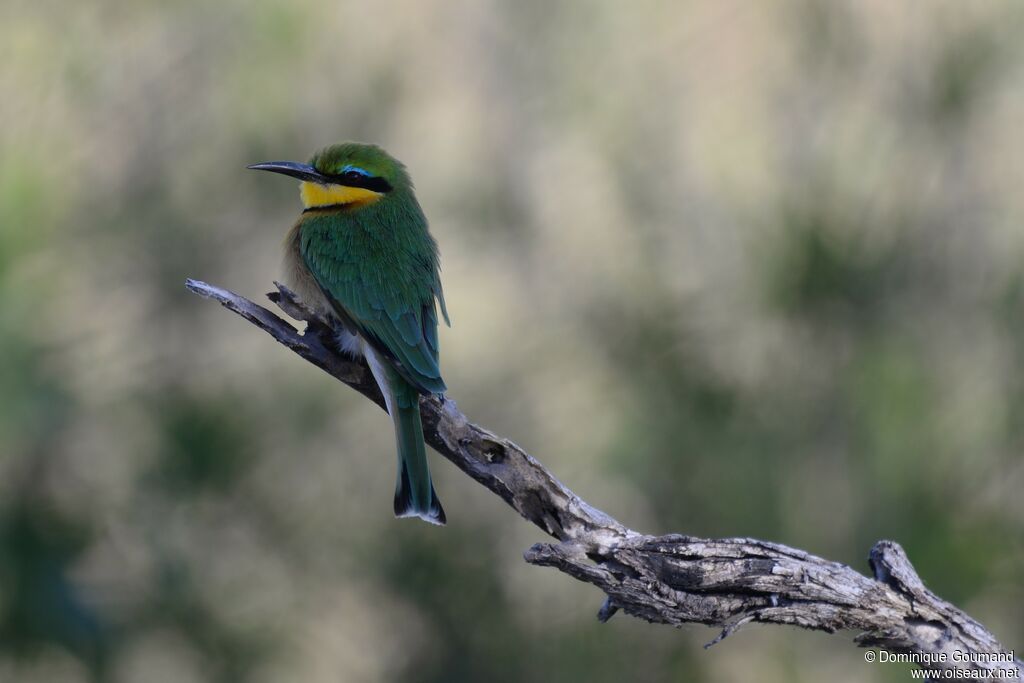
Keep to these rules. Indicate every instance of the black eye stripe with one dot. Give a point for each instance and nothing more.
(353, 179)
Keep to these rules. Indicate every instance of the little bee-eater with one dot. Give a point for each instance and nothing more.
(362, 253)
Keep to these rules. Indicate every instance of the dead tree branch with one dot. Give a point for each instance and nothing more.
(674, 579)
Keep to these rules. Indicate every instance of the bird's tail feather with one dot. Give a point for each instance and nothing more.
(414, 491)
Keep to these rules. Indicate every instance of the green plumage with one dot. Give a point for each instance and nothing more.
(376, 267)
(379, 264)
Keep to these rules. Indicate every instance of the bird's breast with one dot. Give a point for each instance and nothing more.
(297, 276)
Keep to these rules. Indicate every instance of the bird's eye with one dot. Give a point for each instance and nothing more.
(353, 176)
(353, 173)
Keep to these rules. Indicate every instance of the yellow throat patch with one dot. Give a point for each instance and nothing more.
(315, 195)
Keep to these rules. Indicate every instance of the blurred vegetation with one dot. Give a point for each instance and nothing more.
(727, 269)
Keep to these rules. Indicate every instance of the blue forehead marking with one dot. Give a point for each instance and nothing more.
(355, 169)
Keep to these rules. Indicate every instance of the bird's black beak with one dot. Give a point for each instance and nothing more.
(292, 168)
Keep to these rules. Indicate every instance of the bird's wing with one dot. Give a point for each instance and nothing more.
(390, 304)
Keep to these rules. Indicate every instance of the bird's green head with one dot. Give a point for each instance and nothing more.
(347, 175)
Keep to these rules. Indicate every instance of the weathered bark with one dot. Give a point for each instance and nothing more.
(673, 579)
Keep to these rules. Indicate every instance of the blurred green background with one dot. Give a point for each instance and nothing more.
(727, 268)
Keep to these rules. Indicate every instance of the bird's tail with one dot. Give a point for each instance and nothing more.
(414, 491)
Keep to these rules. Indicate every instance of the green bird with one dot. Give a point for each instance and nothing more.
(362, 253)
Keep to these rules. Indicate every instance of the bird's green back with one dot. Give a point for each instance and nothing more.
(378, 265)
